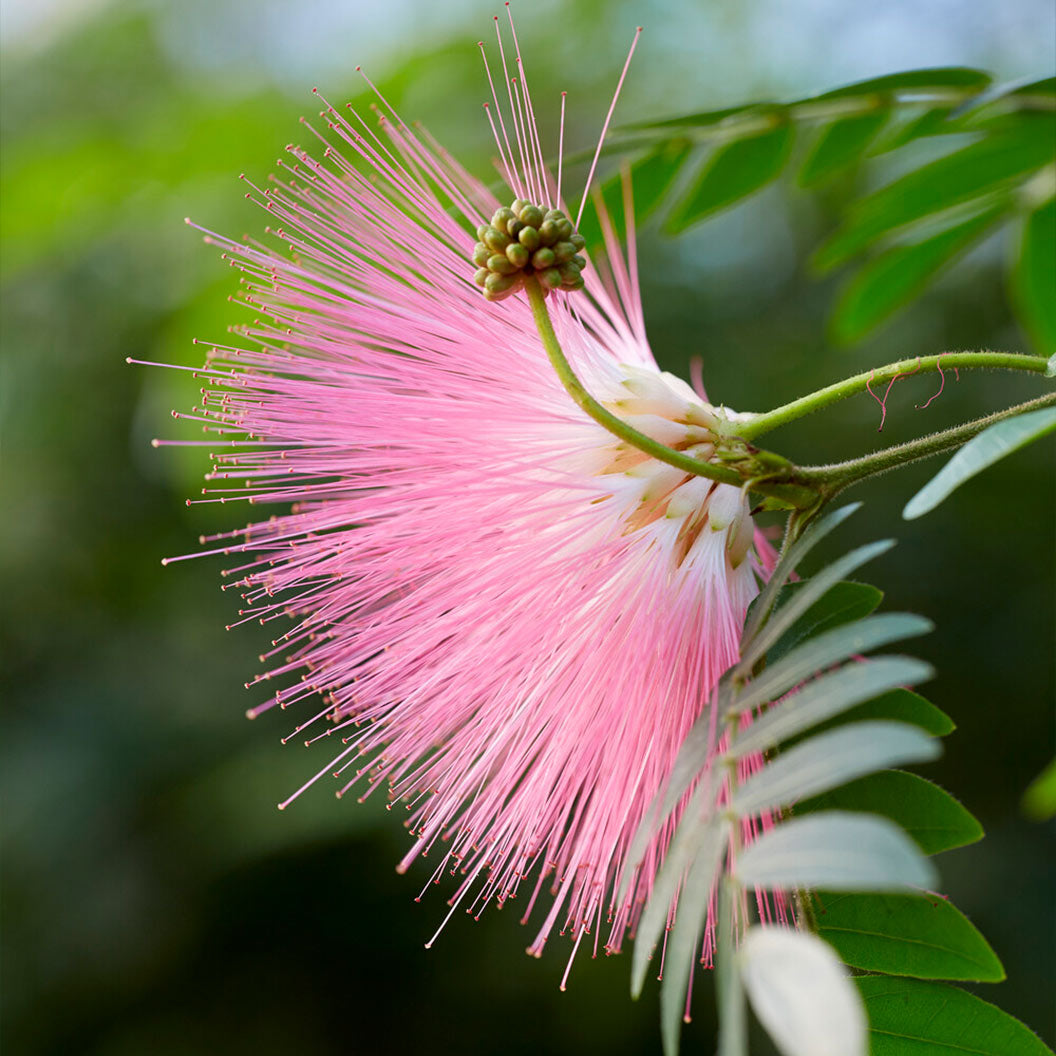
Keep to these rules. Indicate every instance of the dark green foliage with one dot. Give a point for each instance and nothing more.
(840, 145)
(915, 81)
(733, 172)
(934, 212)
(1034, 276)
(912, 1018)
(843, 603)
(990, 166)
(886, 282)
(935, 820)
(924, 936)
(901, 705)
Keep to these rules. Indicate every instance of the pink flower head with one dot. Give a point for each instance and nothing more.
(511, 617)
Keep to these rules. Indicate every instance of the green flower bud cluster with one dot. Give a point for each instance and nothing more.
(523, 239)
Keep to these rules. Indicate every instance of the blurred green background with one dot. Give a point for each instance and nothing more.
(153, 899)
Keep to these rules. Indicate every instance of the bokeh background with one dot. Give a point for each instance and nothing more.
(153, 899)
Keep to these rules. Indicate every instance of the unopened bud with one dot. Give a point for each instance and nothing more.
(564, 251)
(501, 218)
(496, 240)
(532, 215)
(523, 240)
(502, 264)
(528, 237)
(517, 254)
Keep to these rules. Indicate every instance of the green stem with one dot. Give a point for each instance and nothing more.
(834, 478)
(732, 1032)
(759, 424)
(608, 420)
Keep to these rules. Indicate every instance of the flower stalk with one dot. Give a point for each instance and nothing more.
(605, 418)
(834, 478)
(802, 489)
(765, 422)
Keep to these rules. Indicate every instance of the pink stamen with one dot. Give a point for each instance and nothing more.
(508, 165)
(369, 388)
(887, 391)
(605, 126)
(561, 147)
(942, 383)
(535, 147)
(525, 171)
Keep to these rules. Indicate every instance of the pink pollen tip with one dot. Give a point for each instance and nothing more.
(250, 713)
(281, 806)
(358, 68)
(186, 219)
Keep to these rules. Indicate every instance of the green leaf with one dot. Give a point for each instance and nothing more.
(653, 175)
(761, 608)
(991, 164)
(928, 813)
(833, 647)
(1034, 277)
(733, 172)
(845, 602)
(694, 842)
(915, 81)
(935, 121)
(836, 851)
(990, 446)
(812, 590)
(827, 696)
(1046, 86)
(829, 760)
(1039, 801)
(801, 993)
(895, 277)
(925, 937)
(841, 144)
(912, 1018)
(729, 989)
(900, 705)
(684, 939)
(699, 119)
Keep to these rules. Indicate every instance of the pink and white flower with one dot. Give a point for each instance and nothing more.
(511, 617)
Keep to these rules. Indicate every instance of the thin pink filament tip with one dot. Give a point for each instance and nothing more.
(561, 147)
(942, 383)
(882, 402)
(605, 126)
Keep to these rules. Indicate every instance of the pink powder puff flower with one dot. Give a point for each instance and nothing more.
(511, 616)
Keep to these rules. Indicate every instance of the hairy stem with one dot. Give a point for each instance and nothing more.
(760, 424)
(617, 426)
(836, 477)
